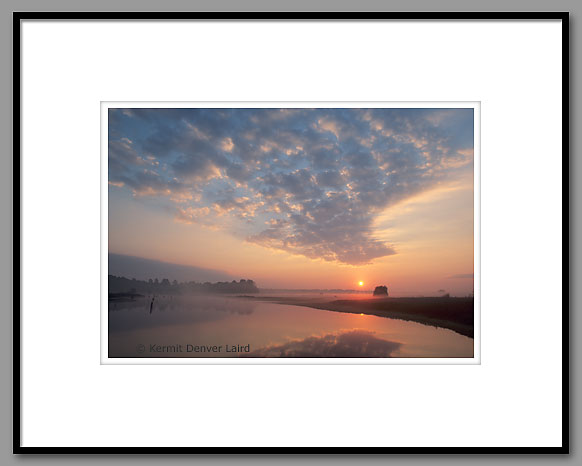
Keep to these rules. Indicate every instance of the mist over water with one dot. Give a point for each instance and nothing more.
(217, 326)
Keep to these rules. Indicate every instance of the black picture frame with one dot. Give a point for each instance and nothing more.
(18, 17)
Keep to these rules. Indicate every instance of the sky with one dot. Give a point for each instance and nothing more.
(298, 198)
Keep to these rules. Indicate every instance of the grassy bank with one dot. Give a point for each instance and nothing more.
(455, 314)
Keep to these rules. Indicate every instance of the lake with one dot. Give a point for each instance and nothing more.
(216, 326)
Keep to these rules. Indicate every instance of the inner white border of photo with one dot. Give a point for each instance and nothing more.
(105, 359)
(513, 398)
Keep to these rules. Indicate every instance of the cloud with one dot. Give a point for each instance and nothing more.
(306, 181)
(191, 214)
(331, 179)
(346, 344)
(227, 145)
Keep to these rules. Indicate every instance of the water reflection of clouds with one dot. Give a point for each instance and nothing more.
(345, 344)
(272, 329)
(173, 310)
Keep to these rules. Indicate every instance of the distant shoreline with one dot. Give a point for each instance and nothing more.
(456, 314)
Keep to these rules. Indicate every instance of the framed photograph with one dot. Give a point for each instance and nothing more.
(303, 198)
(226, 220)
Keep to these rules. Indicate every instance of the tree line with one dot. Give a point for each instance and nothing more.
(164, 286)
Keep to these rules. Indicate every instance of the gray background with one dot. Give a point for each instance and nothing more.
(6, 253)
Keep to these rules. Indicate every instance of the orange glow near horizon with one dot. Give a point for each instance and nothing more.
(432, 234)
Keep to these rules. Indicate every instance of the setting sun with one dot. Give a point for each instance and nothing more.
(361, 283)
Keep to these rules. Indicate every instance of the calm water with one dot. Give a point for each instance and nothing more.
(205, 326)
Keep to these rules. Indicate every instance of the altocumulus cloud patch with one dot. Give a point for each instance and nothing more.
(306, 181)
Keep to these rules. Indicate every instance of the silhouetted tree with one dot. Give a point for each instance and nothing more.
(381, 291)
